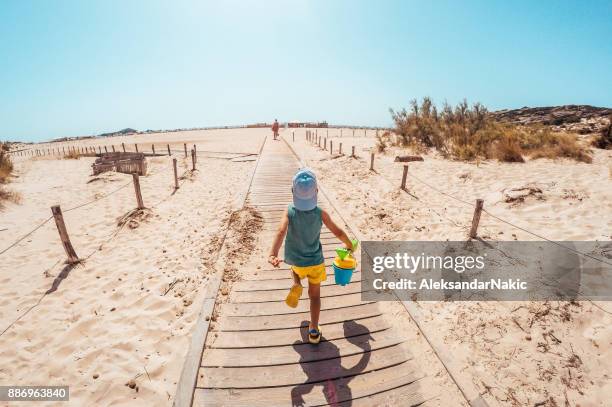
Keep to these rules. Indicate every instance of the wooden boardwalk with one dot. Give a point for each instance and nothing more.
(256, 355)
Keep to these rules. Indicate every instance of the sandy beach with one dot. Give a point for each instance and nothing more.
(116, 328)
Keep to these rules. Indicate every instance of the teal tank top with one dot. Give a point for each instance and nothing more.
(303, 240)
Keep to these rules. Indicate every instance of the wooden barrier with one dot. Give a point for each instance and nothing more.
(185, 146)
(404, 176)
(169, 154)
(476, 218)
(193, 160)
(61, 228)
(372, 162)
(176, 185)
(136, 180)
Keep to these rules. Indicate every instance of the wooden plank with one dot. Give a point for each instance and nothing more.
(299, 373)
(405, 386)
(284, 337)
(279, 295)
(280, 308)
(281, 283)
(299, 351)
(285, 321)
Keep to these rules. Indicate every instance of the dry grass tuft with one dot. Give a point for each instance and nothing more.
(6, 165)
(72, 155)
(467, 132)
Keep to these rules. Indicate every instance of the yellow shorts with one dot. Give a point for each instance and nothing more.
(316, 274)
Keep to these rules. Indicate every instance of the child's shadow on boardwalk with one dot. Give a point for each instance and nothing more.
(322, 365)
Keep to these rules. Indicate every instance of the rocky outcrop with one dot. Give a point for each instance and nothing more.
(581, 119)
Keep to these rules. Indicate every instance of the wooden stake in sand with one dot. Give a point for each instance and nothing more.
(404, 176)
(61, 228)
(136, 180)
(136, 146)
(175, 174)
(353, 152)
(100, 149)
(331, 148)
(325, 143)
(168, 150)
(105, 149)
(193, 160)
(185, 147)
(293, 136)
(113, 146)
(372, 162)
(123, 146)
(340, 149)
(476, 218)
(153, 148)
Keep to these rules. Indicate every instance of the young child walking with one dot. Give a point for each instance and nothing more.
(300, 226)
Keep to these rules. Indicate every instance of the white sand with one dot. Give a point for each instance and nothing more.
(508, 364)
(109, 316)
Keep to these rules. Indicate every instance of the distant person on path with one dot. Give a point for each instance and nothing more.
(301, 227)
(275, 129)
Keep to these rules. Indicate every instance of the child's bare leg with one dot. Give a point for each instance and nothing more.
(314, 292)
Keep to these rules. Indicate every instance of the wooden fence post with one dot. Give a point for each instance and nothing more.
(340, 150)
(476, 218)
(153, 148)
(105, 149)
(169, 154)
(123, 145)
(325, 143)
(185, 146)
(113, 146)
(293, 136)
(193, 160)
(195, 154)
(404, 176)
(136, 146)
(365, 132)
(100, 149)
(136, 180)
(61, 228)
(175, 174)
(372, 162)
(353, 152)
(331, 148)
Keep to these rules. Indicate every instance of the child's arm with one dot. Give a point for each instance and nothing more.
(278, 240)
(336, 230)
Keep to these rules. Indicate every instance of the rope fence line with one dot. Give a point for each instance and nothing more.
(317, 142)
(64, 237)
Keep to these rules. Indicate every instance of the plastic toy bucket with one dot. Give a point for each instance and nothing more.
(342, 276)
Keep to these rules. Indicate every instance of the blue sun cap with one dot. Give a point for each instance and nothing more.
(304, 190)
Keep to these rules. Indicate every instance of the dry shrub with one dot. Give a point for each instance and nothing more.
(467, 132)
(604, 139)
(383, 141)
(6, 165)
(72, 155)
(509, 150)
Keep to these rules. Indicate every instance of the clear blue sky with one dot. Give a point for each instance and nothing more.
(70, 68)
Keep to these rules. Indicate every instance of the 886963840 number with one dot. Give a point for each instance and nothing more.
(34, 393)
